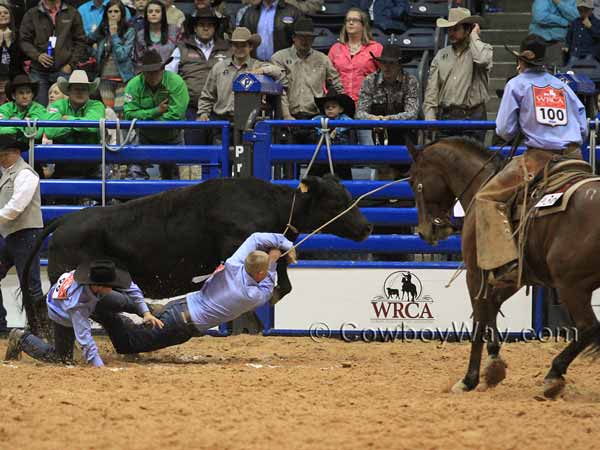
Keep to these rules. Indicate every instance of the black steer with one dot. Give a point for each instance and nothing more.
(164, 240)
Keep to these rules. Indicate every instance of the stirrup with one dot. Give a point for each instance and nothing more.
(504, 276)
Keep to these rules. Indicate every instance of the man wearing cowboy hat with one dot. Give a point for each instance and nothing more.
(389, 93)
(21, 91)
(457, 88)
(20, 214)
(307, 72)
(583, 37)
(193, 58)
(71, 301)
(157, 94)
(216, 99)
(78, 106)
(553, 122)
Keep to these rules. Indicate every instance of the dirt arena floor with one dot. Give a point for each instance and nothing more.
(252, 392)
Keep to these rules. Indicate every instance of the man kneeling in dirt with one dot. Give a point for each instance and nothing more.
(71, 302)
(245, 282)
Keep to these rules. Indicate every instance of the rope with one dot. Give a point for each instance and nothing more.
(366, 194)
(31, 135)
(106, 146)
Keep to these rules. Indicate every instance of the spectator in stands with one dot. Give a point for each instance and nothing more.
(20, 215)
(137, 21)
(11, 58)
(174, 15)
(114, 40)
(21, 91)
(457, 88)
(583, 36)
(387, 15)
(157, 34)
(78, 106)
(52, 36)
(352, 57)
(216, 99)
(193, 59)
(240, 12)
(92, 13)
(273, 21)
(157, 94)
(307, 73)
(550, 20)
(54, 93)
(389, 93)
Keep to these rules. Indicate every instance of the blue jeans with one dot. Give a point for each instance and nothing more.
(60, 352)
(45, 80)
(128, 337)
(14, 250)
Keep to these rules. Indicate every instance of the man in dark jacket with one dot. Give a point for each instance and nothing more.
(274, 21)
(193, 58)
(52, 36)
(387, 15)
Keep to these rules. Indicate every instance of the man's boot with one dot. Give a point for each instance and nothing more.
(13, 348)
(504, 276)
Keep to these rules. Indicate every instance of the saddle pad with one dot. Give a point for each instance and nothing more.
(565, 198)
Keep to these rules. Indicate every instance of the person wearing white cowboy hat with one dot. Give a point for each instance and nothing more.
(216, 99)
(157, 94)
(583, 34)
(553, 122)
(459, 74)
(78, 106)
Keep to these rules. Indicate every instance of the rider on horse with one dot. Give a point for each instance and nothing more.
(553, 122)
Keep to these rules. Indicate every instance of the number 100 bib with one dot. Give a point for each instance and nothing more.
(550, 106)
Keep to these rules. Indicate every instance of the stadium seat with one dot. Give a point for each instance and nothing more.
(325, 39)
(425, 12)
(415, 39)
(588, 65)
(380, 36)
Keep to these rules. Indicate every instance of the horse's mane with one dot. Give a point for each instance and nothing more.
(474, 147)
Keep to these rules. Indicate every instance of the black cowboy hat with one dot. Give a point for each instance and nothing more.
(391, 54)
(304, 26)
(9, 142)
(152, 61)
(21, 80)
(102, 272)
(532, 51)
(203, 14)
(345, 102)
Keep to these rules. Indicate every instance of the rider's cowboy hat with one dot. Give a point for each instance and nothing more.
(9, 142)
(344, 101)
(21, 80)
(102, 272)
(457, 16)
(532, 51)
(151, 61)
(242, 34)
(77, 77)
(391, 54)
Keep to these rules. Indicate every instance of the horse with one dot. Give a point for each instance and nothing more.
(408, 288)
(562, 252)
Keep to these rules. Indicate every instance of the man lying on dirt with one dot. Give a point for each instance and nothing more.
(71, 302)
(245, 282)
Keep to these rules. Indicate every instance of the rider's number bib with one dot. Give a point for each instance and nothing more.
(550, 106)
(62, 286)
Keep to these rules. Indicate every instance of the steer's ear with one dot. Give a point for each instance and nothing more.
(311, 184)
(414, 152)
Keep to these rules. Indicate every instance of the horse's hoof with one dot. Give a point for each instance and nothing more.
(494, 372)
(553, 387)
(459, 388)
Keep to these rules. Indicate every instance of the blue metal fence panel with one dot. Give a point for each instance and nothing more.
(114, 188)
(358, 188)
(382, 243)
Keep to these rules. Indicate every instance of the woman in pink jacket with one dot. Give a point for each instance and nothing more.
(353, 55)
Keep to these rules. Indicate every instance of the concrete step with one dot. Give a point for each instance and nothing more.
(493, 104)
(498, 37)
(501, 55)
(508, 21)
(514, 5)
(503, 70)
(496, 83)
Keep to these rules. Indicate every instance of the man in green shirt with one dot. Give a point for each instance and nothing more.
(21, 90)
(156, 94)
(77, 106)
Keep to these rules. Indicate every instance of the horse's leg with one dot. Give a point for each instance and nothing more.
(495, 369)
(578, 303)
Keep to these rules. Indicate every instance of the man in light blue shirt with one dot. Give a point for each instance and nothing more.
(553, 122)
(266, 26)
(550, 19)
(245, 282)
(71, 302)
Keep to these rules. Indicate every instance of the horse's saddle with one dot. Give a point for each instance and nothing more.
(551, 189)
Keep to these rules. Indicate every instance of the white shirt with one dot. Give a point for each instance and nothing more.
(26, 183)
(206, 49)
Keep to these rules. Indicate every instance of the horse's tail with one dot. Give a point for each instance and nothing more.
(27, 298)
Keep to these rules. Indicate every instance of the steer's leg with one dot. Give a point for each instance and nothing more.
(284, 286)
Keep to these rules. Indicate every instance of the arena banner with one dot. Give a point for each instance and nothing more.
(387, 299)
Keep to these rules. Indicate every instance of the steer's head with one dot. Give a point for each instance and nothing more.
(326, 198)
